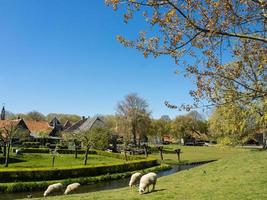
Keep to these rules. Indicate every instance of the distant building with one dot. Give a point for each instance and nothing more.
(85, 124)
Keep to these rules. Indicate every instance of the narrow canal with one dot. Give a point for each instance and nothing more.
(107, 185)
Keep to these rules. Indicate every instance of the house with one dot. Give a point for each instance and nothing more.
(18, 124)
(85, 124)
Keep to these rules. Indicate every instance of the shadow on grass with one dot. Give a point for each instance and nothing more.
(160, 190)
(11, 160)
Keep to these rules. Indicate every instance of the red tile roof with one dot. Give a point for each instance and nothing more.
(38, 126)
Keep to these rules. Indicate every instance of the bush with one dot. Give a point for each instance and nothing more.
(118, 155)
(17, 175)
(31, 144)
(34, 150)
(67, 151)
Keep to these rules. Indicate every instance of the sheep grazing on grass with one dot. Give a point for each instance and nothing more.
(72, 187)
(146, 181)
(135, 179)
(57, 187)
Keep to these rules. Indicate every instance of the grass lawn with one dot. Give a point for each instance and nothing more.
(239, 176)
(45, 160)
(197, 153)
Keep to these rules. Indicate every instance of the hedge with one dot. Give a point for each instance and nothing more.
(42, 185)
(35, 174)
(47, 150)
(33, 150)
(67, 151)
(118, 155)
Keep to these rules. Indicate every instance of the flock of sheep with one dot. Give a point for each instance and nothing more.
(145, 181)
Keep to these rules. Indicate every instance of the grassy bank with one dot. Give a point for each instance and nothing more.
(240, 176)
(45, 160)
(196, 153)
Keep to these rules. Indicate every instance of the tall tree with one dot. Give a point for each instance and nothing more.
(7, 136)
(97, 138)
(208, 31)
(134, 111)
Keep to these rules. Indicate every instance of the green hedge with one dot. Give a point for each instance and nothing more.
(118, 155)
(40, 174)
(42, 185)
(34, 150)
(47, 150)
(31, 144)
(67, 151)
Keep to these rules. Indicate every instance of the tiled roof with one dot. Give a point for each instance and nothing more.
(76, 125)
(85, 124)
(38, 126)
(9, 123)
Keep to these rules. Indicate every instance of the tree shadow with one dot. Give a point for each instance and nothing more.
(11, 160)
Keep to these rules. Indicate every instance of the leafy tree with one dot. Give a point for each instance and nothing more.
(97, 138)
(234, 122)
(208, 31)
(33, 115)
(133, 111)
(7, 136)
(186, 126)
(160, 127)
(63, 117)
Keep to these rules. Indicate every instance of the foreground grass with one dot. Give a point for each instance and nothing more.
(45, 160)
(243, 176)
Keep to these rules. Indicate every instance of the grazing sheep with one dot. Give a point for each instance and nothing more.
(135, 179)
(146, 181)
(72, 187)
(57, 187)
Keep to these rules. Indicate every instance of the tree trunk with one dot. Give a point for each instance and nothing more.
(4, 151)
(161, 152)
(125, 155)
(134, 133)
(86, 156)
(145, 149)
(53, 161)
(7, 154)
(76, 152)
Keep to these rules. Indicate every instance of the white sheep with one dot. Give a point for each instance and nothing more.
(134, 179)
(72, 187)
(146, 181)
(57, 187)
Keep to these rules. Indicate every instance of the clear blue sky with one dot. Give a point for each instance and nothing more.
(62, 56)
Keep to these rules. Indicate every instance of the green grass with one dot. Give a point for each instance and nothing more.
(240, 175)
(45, 161)
(196, 154)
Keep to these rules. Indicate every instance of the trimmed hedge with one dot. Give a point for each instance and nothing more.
(47, 150)
(118, 155)
(42, 185)
(67, 151)
(40, 174)
(33, 150)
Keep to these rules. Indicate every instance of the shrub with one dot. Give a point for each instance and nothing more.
(34, 150)
(31, 144)
(118, 155)
(65, 172)
(67, 151)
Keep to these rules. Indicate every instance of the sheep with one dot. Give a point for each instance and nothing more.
(146, 181)
(57, 187)
(72, 187)
(134, 179)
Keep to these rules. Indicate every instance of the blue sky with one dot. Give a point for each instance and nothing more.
(62, 56)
